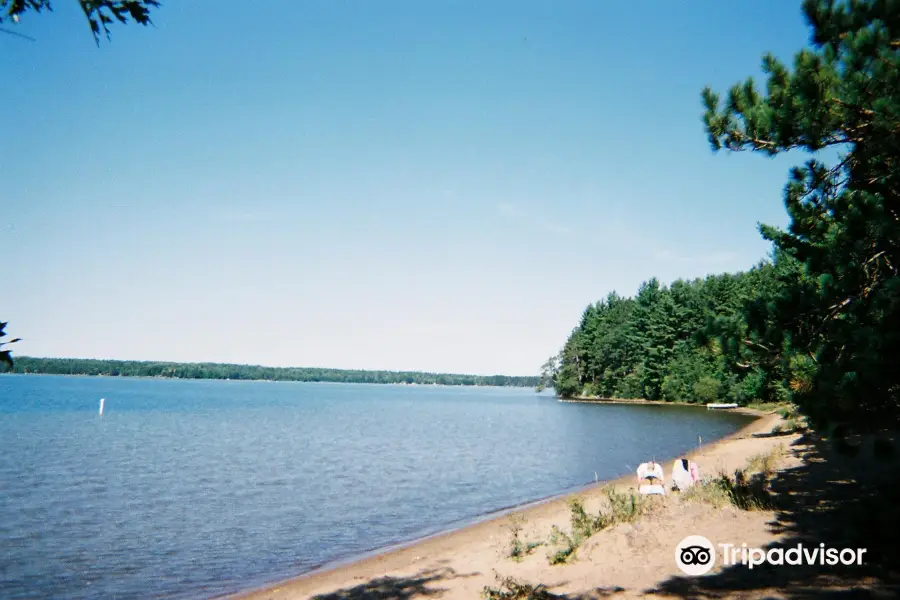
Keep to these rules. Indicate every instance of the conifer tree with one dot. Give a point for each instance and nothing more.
(100, 14)
(836, 323)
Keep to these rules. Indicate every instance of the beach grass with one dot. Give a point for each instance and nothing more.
(510, 589)
(747, 489)
(519, 547)
(618, 507)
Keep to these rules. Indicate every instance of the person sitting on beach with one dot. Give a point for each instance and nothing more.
(653, 473)
(685, 473)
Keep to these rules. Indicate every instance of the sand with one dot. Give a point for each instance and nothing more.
(627, 560)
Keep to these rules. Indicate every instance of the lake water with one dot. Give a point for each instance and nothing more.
(186, 489)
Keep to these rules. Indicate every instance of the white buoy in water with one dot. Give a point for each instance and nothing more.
(102, 400)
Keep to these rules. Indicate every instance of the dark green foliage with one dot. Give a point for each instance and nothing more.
(683, 343)
(100, 13)
(833, 329)
(819, 323)
(6, 355)
(133, 368)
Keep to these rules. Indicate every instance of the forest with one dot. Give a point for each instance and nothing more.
(818, 323)
(690, 341)
(131, 368)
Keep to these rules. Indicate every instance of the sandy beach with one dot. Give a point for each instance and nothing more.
(637, 558)
(626, 560)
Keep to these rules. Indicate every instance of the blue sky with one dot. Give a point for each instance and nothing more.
(390, 185)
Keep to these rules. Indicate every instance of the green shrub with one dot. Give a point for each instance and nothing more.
(519, 548)
(591, 390)
(748, 489)
(630, 386)
(622, 508)
(741, 491)
(707, 389)
(565, 547)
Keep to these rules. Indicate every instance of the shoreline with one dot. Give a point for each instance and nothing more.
(489, 527)
(172, 378)
(741, 410)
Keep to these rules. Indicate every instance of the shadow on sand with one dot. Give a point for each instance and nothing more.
(846, 499)
(424, 584)
(845, 496)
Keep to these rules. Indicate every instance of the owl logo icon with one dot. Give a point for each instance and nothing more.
(695, 555)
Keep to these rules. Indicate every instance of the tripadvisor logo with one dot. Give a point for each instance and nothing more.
(696, 555)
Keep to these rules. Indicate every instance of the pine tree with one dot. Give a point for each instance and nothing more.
(836, 324)
(100, 14)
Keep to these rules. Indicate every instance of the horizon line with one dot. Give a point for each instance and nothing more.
(227, 364)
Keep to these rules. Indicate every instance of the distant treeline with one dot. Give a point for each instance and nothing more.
(132, 368)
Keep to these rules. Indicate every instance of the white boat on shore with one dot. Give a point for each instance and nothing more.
(720, 406)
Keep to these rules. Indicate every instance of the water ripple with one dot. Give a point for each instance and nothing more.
(190, 489)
